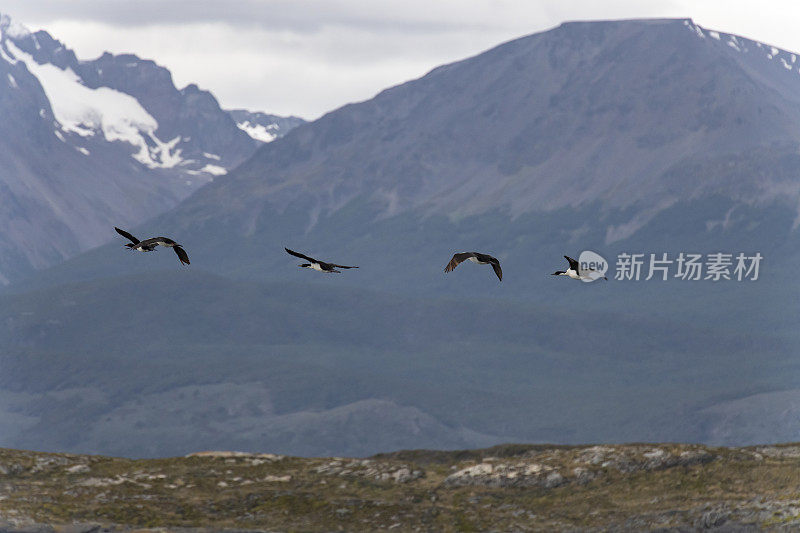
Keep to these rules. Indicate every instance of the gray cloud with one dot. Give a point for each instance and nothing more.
(309, 56)
(292, 15)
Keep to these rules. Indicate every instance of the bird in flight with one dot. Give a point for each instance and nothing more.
(148, 245)
(576, 272)
(475, 257)
(315, 264)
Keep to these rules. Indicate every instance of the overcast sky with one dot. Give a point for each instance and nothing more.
(307, 57)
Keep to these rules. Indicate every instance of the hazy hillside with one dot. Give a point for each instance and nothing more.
(161, 364)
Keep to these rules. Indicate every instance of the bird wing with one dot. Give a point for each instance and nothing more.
(184, 259)
(457, 259)
(127, 235)
(301, 256)
(163, 241)
(341, 266)
(497, 269)
(574, 265)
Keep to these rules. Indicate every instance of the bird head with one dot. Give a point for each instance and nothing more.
(558, 273)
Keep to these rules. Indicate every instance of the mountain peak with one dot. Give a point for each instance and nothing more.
(13, 29)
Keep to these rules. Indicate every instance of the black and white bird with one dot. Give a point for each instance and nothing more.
(576, 272)
(475, 257)
(148, 245)
(315, 264)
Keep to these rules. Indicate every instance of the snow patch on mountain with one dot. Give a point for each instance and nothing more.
(3, 54)
(741, 44)
(214, 170)
(85, 112)
(259, 132)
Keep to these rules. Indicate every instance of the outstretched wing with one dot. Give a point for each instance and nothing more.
(574, 265)
(341, 266)
(127, 235)
(458, 259)
(301, 256)
(164, 241)
(184, 259)
(497, 269)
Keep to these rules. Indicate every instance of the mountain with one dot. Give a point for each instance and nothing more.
(263, 127)
(86, 145)
(642, 136)
(634, 116)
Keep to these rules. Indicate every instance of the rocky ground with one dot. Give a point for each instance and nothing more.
(635, 487)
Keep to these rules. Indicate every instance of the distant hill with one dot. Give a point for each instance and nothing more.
(162, 363)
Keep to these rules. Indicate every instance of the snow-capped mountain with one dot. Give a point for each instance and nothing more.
(263, 127)
(86, 145)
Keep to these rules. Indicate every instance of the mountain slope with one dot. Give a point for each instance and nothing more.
(618, 113)
(86, 145)
(165, 363)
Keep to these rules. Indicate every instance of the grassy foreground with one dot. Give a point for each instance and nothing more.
(505, 488)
